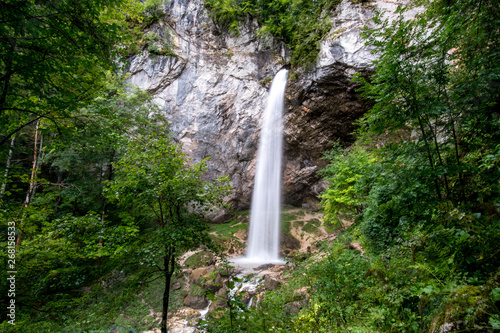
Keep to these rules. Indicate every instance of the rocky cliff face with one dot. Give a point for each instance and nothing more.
(214, 94)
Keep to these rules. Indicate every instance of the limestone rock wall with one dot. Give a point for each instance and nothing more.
(215, 90)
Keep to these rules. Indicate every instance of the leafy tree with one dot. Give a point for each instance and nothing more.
(157, 187)
(70, 232)
(426, 186)
(52, 56)
(444, 86)
(64, 119)
(78, 161)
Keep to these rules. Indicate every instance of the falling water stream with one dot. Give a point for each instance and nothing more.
(263, 241)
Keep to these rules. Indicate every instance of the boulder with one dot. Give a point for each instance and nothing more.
(220, 301)
(195, 302)
(289, 242)
(241, 234)
(208, 278)
(197, 273)
(213, 282)
(263, 267)
(271, 283)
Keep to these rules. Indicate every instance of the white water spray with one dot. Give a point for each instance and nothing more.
(263, 240)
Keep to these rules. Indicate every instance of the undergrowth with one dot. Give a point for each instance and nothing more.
(347, 291)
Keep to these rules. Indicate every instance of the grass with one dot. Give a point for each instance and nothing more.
(227, 230)
(286, 222)
(312, 226)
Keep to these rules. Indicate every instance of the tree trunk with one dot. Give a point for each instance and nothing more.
(39, 157)
(433, 130)
(169, 262)
(431, 162)
(34, 168)
(7, 166)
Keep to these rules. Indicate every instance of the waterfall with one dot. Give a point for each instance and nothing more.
(263, 240)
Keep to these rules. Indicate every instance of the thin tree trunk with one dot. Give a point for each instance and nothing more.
(438, 152)
(7, 166)
(169, 262)
(29, 194)
(461, 193)
(33, 168)
(431, 162)
(40, 146)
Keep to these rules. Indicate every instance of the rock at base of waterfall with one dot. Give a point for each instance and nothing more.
(270, 283)
(220, 300)
(195, 302)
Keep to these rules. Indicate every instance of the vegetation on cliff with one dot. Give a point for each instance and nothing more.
(299, 24)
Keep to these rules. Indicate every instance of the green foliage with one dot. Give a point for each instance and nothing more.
(300, 24)
(346, 191)
(53, 59)
(167, 198)
(338, 281)
(273, 312)
(154, 181)
(227, 230)
(132, 17)
(286, 221)
(156, 45)
(69, 235)
(445, 92)
(154, 178)
(152, 12)
(66, 118)
(347, 291)
(312, 226)
(81, 158)
(423, 191)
